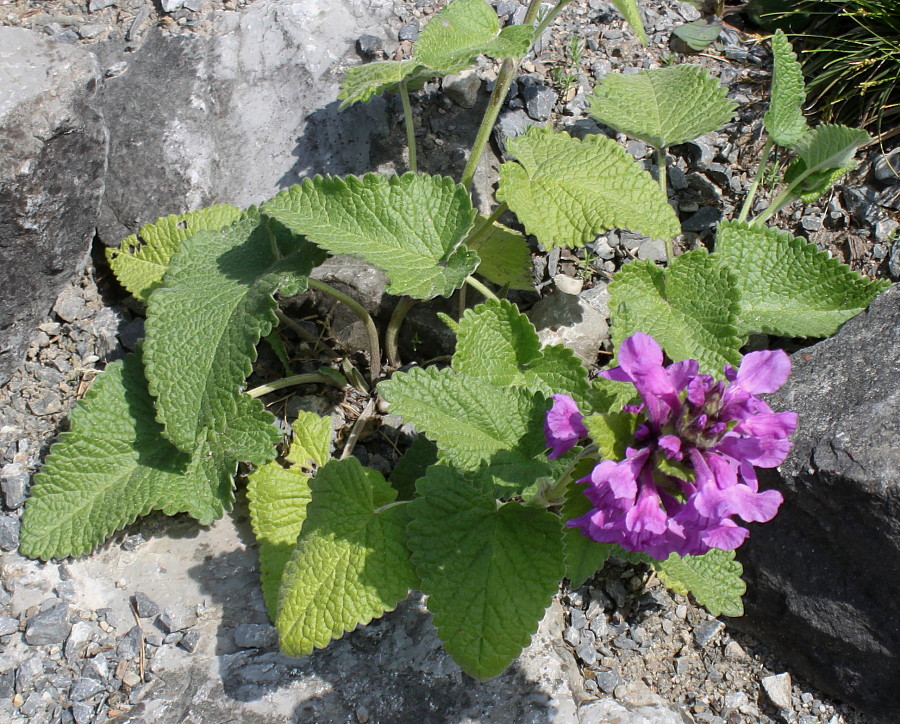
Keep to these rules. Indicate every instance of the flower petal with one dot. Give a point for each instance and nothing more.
(563, 426)
(764, 371)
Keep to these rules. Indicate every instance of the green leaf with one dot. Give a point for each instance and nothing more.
(471, 420)
(203, 325)
(505, 257)
(699, 34)
(465, 29)
(312, 440)
(422, 454)
(611, 432)
(141, 260)
(583, 556)
(629, 10)
(690, 309)
(498, 344)
(825, 153)
(566, 191)
(362, 82)
(713, 579)
(814, 185)
(489, 571)
(784, 120)
(114, 466)
(663, 106)
(788, 287)
(351, 563)
(411, 226)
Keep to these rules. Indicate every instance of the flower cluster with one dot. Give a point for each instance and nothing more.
(691, 464)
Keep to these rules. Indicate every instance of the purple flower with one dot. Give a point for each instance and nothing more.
(691, 468)
(563, 426)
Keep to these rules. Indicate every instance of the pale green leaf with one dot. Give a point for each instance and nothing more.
(713, 579)
(813, 185)
(629, 10)
(140, 262)
(662, 106)
(788, 287)
(690, 309)
(825, 152)
(411, 226)
(351, 563)
(583, 556)
(784, 120)
(114, 466)
(489, 571)
(699, 34)
(566, 191)
(505, 256)
(312, 440)
(203, 325)
(362, 82)
(611, 432)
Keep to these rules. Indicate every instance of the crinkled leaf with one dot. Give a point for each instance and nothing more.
(362, 82)
(699, 34)
(662, 106)
(788, 287)
(784, 120)
(505, 257)
(631, 13)
(114, 466)
(499, 344)
(690, 308)
(471, 420)
(465, 29)
(611, 432)
(141, 260)
(489, 571)
(203, 325)
(609, 396)
(351, 563)
(583, 556)
(411, 226)
(278, 497)
(566, 191)
(420, 456)
(825, 153)
(713, 579)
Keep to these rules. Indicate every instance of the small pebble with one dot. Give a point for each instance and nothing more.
(190, 641)
(707, 631)
(145, 607)
(778, 689)
(177, 617)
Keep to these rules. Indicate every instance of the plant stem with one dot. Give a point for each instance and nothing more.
(360, 311)
(550, 496)
(485, 224)
(475, 284)
(549, 18)
(661, 177)
(393, 329)
(308, 378)
(410, 128)
(783, 199)
(757, 178)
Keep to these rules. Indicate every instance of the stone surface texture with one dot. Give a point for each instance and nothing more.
(52, 163)
(823, 578)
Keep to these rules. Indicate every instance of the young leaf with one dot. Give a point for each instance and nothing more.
(465, 29)
(499, 345)
(114, 466)
(411, 226)
(662, 106)
(612, 433)
(141, 260)
(813, 185)
(784, 120)
(422, 454)
(690, 309)
(278, 498)
(632, 15)
(362, 82)
(225, 280)
(566, 191)
(351, 563)
(505, 257)
(827, 148)
(788, 287)
(713, 579)
(699, 34)
(583, 556)
(489, 571)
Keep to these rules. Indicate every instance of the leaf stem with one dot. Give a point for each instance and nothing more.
(308, 378)
(410, 128)
(661, 177)
(393, 329)
(757, 179)
(783, 199)
(485, 224)
(550, 496)
(360, 311)
(475, 284)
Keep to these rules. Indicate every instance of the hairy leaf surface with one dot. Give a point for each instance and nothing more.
(631, 13)
(351, 563)
(489, 571)
(713, 579)
(411, 226)
(505, 257)
(663, 106)
(203, 325)
(825, 154)
(690, 309)
(566, 191)
(788, 287)
(420, 456)
(362, 82)
(784, 120)
(141, 260)
(114, 466)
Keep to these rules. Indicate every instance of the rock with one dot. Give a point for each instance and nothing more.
(462, 88)
(254, 635)
(707, 631)
(705, 218)
(572, 321)
(8, 625)
(145, 607)
(886, 229)
(778, 689)
(50, 626)
(170, 6)
(511, 124)
(52, 158)
(887, 167)
(177, 617)
(894, 260)
(14, 479)
(823, 577)
(190, 641)
(653, 249)
(370, 46)
(409, 32)
(539, 101)
(84, 689)
(609, 711)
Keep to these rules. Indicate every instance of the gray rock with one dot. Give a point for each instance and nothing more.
(511, 124)
(409, 32)
(14, 479)
(705, 218)
(8, 625)
(638, 149)
(97, 5)
(607, 680)
(52, 158)
(707, 631)
(887, 167)
(129, 646)
(572, 321)
(653, 249)
(609, 711)
(89, 31)
(370, 46)
(462, 88)
(254, 635)
(811, 222)
(50, 626)
(539, 101)
(190, 641)
(177, 617)
(778, 689)
(886, 229)
(817, 595)
(170, 6)
(145, 607)
(894, 260)
(82, 713)
(28, 672)
(82, 632)
(84, 689)
(677, 178)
